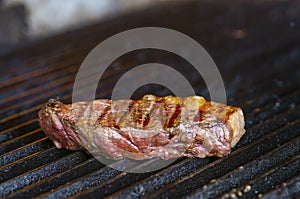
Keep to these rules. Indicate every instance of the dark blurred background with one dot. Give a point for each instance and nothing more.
(23, 20)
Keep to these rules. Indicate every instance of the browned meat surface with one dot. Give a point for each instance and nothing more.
(166, 127)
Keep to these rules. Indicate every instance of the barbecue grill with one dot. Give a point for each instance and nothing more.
(255, 44)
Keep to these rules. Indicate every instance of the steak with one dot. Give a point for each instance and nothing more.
(165, 127)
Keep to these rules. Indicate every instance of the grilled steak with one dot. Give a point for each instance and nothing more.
(166, 127)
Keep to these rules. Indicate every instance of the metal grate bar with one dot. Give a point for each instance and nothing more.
(25, 151)
(82, 183)
(28, 64)
(31, 162)
(54, 181)
(279, 72)
(289, 189)
(113, 185)
(21, 140)
(27, 79)
(273, 123)
(156, 181)
(19, 118)
(34, 85)
(289, 101)
(39, 173)
(274, 178)
(18, 130)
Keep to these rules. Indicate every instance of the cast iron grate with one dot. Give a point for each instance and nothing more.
(262, 76)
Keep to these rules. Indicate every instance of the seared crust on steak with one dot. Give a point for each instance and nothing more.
(166, 127)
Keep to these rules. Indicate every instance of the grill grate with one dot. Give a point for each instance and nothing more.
(261, 74)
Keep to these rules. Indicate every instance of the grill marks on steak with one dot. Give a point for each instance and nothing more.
(173, 112)
(166, 127)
